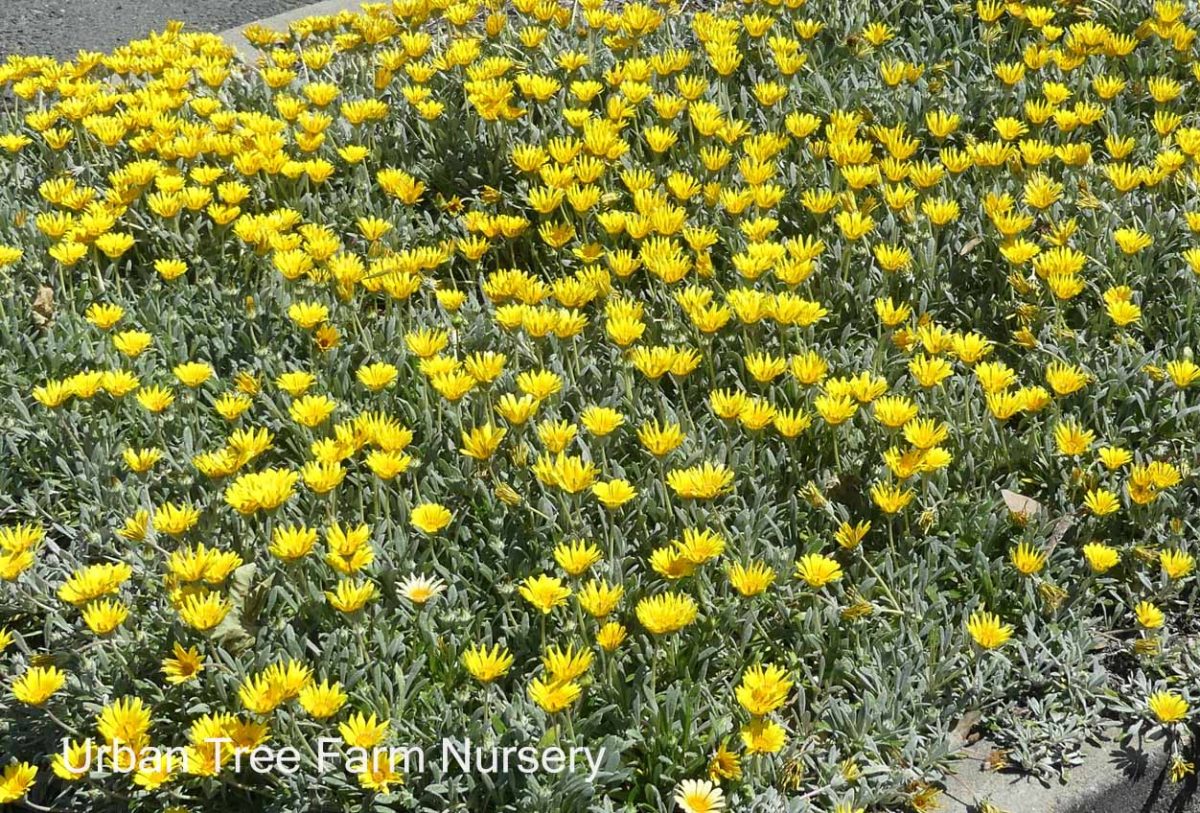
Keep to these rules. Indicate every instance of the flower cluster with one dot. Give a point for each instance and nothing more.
(752, 389)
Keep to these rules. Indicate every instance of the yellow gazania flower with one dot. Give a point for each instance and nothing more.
(763, 736)
(1176, 563)
(1114, 457)
(1148, 615)
(132, 343)
(486, 665)
(359, 731)
(16, 781)
(601, 421)
(350, 596)
(322, 700)
(751, 580)
(666, 613)
(482, 441)
(576, 557)
(103, 315)
(891, 499)
(614, 493)
(38, 684)
(1100, 557)
(763, 689)
(566, 664)
(660, 440)
(725, 764)
(1071, 439)
(104, 616)
(127, 721)
(1101, 502)
(703, 482)
(311, 410)
(554, 696)
(611, 636)
(381, 773)
(544, 592)
(987, 630)
(598, 598)
(290, 542)
(430, 517)
(204, 611)
(1027, 560)
(185, 665)
(377, 376)
(1167, 707)
(818, 570)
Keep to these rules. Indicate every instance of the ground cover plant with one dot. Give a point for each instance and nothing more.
(754, 392)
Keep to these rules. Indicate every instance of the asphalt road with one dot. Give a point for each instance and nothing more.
(61, 28)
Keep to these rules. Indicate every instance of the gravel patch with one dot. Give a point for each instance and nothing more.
(61, 28)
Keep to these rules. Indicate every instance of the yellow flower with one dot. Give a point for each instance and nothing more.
(763, 736)
(725, 764)
(377, 376)
(751, 580)
(102, 617)
(1176, 563)
(103, 315)
(1149, 616)
(554, 696)
(660, 440)
(666, 613)
(38, 684)
(1167, 707)
(350, 596)
(1100, 557)
(703, 482)
(291, 542)
(193, 373)
(132, 343)
(566, 664)
(362, 732)
(891, 499)
(482, 441)
(1027, 560)
(311, 410)
(1072, 440)
(125, 721)
(16, 781)
(381, 772)
(576, 557)
(610, 636)
(598, 598)
(818, 570)
(614, 493)
(601, 421)
(141, 461)
(987, 630)
(763, 689)
(204, 611)
(430, 517)
(322, 700)
(544, 592)
(486, 665)
(184, 666)
(1101, 501)
(1114, 457)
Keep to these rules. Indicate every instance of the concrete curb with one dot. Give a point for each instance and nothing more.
(280, 22)
(1113, 777)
